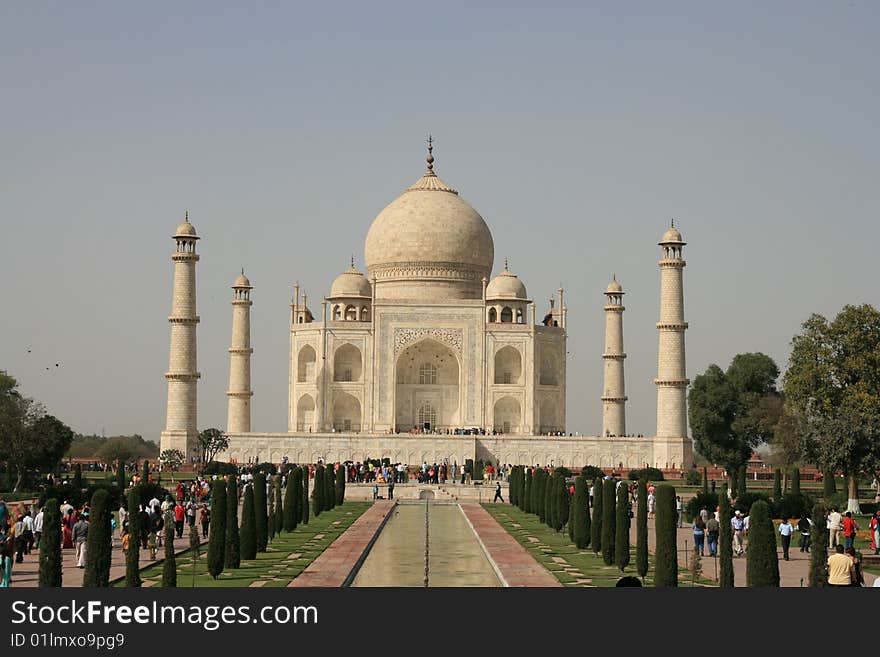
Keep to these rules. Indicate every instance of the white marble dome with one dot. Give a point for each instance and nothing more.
(506, 286)
(429, 243)
(350, 283)
(672, 236)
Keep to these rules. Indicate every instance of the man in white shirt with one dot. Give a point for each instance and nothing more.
(736, 524)
(38, 528)
(835, 526)
(28, 533)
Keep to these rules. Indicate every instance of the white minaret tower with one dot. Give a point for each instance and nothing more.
(614, 395)
(239, 393)
(671, 380)
(181, 431)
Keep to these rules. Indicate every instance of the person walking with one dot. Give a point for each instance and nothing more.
(651, 502)
(679, 508)
(841, 570)
(498, 493)
(785, 531)
(849, 530)
(38, 528)
(80, 535)
(834, 527)
(804, 527)
(875, 533)
(699, 534)
(713, 529)
(205, 518)
(179, 517)
(737, 524)
(391, 488)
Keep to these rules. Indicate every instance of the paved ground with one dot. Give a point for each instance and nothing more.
(27, 574)
(335, 563)
(793, 573)
(515, 565)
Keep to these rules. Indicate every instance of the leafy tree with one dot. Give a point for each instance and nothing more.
(99, 542)
(318, 493)
(621, 539)
(788, 437)
(592, 473)
(117, 448)
(172, 459)
(217, 531)
(762, 563)
(833, 382)
(50, 546)
(340, 484)
(581, 518)
(829, 488)
(818, 576)
(666, 555)
(642, 529)
(609, 525)
(777, 485)
(304, 506)
(261, 512)
(211, 442)
(725, 541)
(232, 549)
(596, 533)
(28, 437)
(733, 412)
(133, 555)
(248, 534)
(169, 566)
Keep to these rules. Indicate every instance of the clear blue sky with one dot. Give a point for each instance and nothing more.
(577, 130)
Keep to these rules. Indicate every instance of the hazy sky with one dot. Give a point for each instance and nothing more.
(576, 130)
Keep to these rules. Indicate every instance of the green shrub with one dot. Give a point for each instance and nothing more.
(666, 555)
(701, 500)
(340, 485)
(268, 469)
(248, 531)
(581, 518)
(829, 487)
(232, 550)
(217, 531)
(596, 529)
(692, 477)
(50, 546)
(132, 557)
(642, 529)
(651, 474)
(318, 493)
(725, 541)
(563, 504)
(289, 520)
(745, 501)
(777, 484)
(818, 575)
(592, 473)
(99, 542)
(329, 488)
(169, 566)
(562, 471)
(220, 468)
(609, 518)
(304, 505)
(793, 505)
(621, 538)
(762, 563)
(261, 512)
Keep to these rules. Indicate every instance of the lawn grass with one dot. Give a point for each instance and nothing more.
(578, 565)
(275, 565)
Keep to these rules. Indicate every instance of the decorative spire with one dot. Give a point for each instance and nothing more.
(672, 223)
(613, 277)
(186, 216)
(506, 268)
(430, 158)
(352, 260)
(242, 271)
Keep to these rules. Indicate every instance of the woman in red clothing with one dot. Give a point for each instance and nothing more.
(67, 524)
(875, 532)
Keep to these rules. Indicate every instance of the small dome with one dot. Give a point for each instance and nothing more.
(614, 287)
(186, 229)
(672, 236)
(351, 283)
(506, 286)
(242, 281)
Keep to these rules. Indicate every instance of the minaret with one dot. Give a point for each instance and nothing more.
(671, 381)
(181, 429)
(238, 419)
(614, 396)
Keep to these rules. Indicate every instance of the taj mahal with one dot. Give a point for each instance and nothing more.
(428, 357)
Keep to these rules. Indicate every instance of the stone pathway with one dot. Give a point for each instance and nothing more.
(514, 564)
(26, 575)
(334, 564)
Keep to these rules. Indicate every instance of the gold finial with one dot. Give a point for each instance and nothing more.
(672, 223)
(505, 265)
(430, 158)
(352, 260)
(242, 271)
(613, 277)
(186, 216)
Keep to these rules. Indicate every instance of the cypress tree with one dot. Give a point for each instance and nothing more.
(261, 514)
(741, 486)
(777, 485)
(762, 563)
(725, 541)
(548, 500)
(318, 492)
(120, 475)
(248, 533)
(795, 481)
(329, 487)
(621, 539)
(304, 506)
(666, 556)
(818, 549)
(133, 556)
(609, 524)
(534, 495)
(829, 488)
(733, 479)
(77, 477)
(563, 504)
(297, 495)
(525, 502)
(511, 492)
(552, 501)
(217, 535)
(99, 542)
(705, 480)
(288, 523)
(270, 512)
(712, 486)
(279, 506)
(596, 529)
(145, 472)
(340, 484)
(232, 549)
(50, 546)
(571, 522)
(169, 566)
(642, 529)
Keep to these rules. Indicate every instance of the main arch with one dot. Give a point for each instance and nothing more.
(427, 388)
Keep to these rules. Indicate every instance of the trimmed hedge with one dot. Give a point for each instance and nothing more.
(666, 556)
(762, 563)
(651, 474)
